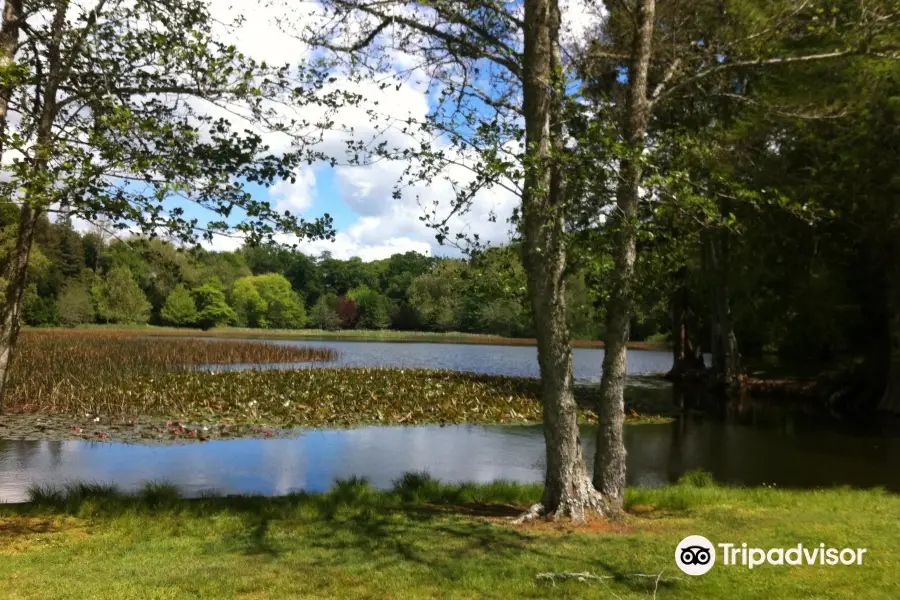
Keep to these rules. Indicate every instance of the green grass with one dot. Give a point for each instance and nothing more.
(427, 540)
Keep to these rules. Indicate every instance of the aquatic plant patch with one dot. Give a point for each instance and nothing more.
(119, 386)
(54, 369)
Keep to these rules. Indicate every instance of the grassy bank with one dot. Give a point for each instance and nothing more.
(117, 385)
(425, 540)
(384, 335)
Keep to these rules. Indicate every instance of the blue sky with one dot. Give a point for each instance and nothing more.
(369, 221)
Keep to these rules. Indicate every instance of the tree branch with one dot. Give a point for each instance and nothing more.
(889, 52)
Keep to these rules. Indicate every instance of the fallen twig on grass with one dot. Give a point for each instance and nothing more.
(585, 576)
(534, 512)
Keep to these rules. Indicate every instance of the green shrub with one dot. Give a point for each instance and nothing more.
(119, 299)
(697, 478)
(75, 306)
(212, 309)
(37, 311)
(180, 309)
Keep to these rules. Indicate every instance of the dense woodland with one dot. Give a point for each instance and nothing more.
(78, 279)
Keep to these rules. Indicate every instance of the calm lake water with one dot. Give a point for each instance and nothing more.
(748, 444)
(657, 454)
(476, 358)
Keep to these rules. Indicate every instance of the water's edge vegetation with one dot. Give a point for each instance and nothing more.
(118, 385)
(383, 335)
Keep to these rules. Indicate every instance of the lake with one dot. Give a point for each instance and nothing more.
(749, 443)
(476, 358)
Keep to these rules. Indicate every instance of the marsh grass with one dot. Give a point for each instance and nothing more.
(58, 370)
(125, 375)
(325, 397)
(425, 539)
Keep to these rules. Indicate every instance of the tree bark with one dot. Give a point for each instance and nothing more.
(609, 461)
(567, 485)
(9, 41)
(890, 400)
(726, 356)
(11, 308)
(35, 198)
(17, 265)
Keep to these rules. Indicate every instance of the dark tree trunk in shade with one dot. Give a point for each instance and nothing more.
(726, 369)
(890, 400)
(686, 356)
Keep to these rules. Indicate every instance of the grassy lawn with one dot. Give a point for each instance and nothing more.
(425, 540)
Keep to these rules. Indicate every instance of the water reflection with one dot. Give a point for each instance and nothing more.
(740, 441)
(734, 452)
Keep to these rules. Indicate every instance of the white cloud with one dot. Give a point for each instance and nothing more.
(295, 197)
(384, 224)
(252, 27)
(347, 245)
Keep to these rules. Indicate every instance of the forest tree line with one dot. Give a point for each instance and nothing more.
(81, 278)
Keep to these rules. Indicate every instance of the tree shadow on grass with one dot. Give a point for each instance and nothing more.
(352, 520)
(448, 531)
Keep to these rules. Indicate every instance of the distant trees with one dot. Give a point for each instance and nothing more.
(267, 301)
(482, 294)
(180, 309)
(374, 309)
(324, 313)
(75, 304)
(118, 298)
(436, 297)
(212, 308)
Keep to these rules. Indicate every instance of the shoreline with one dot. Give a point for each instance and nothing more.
(161, 431)
(352, 335)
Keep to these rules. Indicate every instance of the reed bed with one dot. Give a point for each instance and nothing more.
(58, 370)
(119, 384)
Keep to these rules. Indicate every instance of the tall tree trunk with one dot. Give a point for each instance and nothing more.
(16, 265)
(9, 41)
(567, 485)
(36, 197)
(726, 356)
(11, 308)
(890, 401)
(609, 462)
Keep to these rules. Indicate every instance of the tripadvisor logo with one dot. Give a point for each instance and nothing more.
(696, 555)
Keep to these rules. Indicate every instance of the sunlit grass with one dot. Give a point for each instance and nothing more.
(424, 539)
